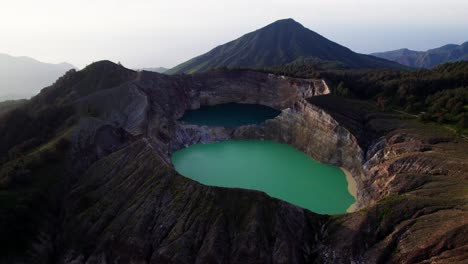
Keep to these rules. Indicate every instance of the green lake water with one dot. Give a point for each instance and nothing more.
(230, 115)
(279, 170)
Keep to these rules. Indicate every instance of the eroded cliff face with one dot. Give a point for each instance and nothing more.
(124, 202)
(415, 186)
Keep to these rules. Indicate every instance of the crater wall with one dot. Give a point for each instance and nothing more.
(125, 203)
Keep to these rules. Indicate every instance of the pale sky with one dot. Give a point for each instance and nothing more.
(153, 33)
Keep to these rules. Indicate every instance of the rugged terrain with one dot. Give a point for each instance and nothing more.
(112, 195)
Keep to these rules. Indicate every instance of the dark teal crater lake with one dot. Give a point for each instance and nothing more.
(230, 115)
(279, 170)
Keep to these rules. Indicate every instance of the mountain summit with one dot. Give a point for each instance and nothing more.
(282, 42)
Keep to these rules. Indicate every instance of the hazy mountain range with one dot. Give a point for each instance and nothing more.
(429, 58)
(23, 77)
(282, 42)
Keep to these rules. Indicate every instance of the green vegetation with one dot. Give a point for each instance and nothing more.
(33, 148)
(26, 193)
(447, 106)
(24, 129)
(437, 95)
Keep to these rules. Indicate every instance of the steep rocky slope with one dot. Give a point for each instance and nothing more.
(118, 198)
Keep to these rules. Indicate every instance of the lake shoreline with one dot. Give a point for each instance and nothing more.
(258, 165)
(352, 189)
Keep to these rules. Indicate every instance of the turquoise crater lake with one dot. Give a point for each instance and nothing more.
(230, 115)
(279, 170)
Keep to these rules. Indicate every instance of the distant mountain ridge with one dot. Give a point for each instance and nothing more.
(8, 105)
(154, 69)
(429, 58)
(282, 42)
(23, 77)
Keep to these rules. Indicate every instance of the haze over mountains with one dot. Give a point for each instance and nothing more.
(429, 58)
(282, 42)
(23, 77)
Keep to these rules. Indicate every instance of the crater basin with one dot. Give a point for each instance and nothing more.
(279, 170)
